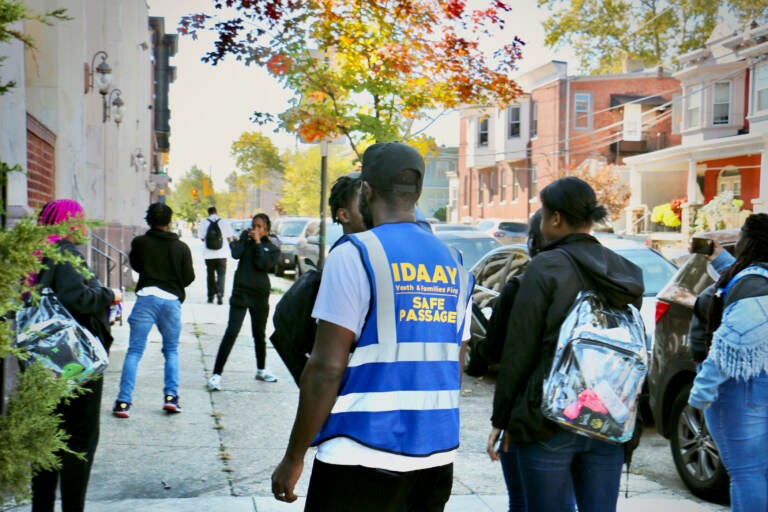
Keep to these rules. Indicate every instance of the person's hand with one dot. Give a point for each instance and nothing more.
(284, 479)
(717, 249)
(118, 295)
(493, 440)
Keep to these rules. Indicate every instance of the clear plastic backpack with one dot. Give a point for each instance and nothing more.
(597, 374)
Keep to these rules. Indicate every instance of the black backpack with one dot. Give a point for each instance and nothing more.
(295, 328)
(213, 238)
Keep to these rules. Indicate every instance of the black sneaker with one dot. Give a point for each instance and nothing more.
(172, 404)
(219, 301)
(121, 409)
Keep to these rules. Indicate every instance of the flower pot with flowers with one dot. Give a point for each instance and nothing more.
(668, 215)
(722, 212)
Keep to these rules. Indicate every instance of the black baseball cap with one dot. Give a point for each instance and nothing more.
(382, 161)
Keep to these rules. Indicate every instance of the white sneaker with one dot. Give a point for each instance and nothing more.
(214, 383)
(265, 376)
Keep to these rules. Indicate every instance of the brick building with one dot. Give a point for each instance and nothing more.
(507, 155)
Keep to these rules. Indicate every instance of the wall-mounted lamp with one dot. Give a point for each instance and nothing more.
(114, 108)
(101, 74)
(138, 162)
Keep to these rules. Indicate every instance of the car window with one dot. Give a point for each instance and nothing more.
(517, 227)
(656, 270)
(291, 227)
(472, 249)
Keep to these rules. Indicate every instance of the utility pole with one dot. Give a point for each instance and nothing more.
(323, 181)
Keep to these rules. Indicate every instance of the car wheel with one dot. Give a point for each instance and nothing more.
(694, 452)
(297, 269)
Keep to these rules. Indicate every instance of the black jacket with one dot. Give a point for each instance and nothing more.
(547, 290)
(162, 260)
(255, 259)
(84, 297)
(750, 286)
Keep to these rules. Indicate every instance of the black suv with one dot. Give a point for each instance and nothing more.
(672, 372)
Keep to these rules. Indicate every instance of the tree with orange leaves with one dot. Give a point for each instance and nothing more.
(366, 70)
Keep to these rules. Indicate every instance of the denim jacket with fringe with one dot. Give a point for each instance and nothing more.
(739, 347)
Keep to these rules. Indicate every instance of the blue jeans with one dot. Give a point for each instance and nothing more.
(511, 469)
(738, 422)
(570, 464)
(148, 311)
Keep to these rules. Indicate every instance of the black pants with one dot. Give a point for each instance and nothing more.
(217, 270)
(80, 419)
(259, 310)
(335, 488)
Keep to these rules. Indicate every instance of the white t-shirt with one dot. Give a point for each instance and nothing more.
(343, 300)
(226, 234)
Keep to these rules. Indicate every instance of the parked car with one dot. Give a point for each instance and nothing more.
(307, 249)
(497, 267)
(287, 230)
(471, 245)
(452, 227)
(238, 225)
(672, 372)
(505, 231)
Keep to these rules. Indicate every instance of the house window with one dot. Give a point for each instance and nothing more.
(492, 182)
(513, 114)
(482, 131)
(693, 109)
(677, 113)
(721, 103)
(515, 185)
(761, 87)
(479, 188)
(534, 119)
(466, 190)
(582, 111)
(730, 179)
(534, 188)
(503, 185)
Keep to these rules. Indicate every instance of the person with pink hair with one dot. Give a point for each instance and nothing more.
(88, 301)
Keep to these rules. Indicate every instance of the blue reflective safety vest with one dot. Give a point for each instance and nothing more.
(400, 391)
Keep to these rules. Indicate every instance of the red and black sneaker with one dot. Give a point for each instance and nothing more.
(121, 409)
(172, 404)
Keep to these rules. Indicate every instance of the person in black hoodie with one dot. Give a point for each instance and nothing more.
(250, 292)
(556, 464)
(164, 264)
(88, 302)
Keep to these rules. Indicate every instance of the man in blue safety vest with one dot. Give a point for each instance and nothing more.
(380, 392)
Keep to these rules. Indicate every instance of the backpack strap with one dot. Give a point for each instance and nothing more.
(752, 270)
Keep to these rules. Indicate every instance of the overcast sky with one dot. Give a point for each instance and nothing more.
(211, 106)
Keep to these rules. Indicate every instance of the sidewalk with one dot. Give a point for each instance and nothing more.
(218, 455)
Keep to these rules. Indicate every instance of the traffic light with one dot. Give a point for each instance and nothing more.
(194, 194)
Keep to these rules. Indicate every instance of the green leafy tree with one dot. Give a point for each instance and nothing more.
(605, 32)
(365, 71)
(301, 187)
(186, 197)
(259, 160)
(29, 429)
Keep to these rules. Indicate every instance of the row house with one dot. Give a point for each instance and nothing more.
(88, 120)
(722, 115)
(557, 124)
(438, 167)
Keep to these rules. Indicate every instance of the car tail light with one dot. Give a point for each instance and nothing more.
(499, 234)
(661, 310)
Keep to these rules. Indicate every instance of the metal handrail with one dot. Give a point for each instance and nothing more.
(109, 262)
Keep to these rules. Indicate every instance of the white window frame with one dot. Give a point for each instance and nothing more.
(503, 198)
(533, 186)
(677, 113)
(761, 75)
(729, 178)
(483, 131)
(727, 104)
(515, 185)
(534, 119)
(693, 108)
(514, 123)
(582, 109)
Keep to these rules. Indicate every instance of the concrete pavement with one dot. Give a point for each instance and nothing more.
(218, 455)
